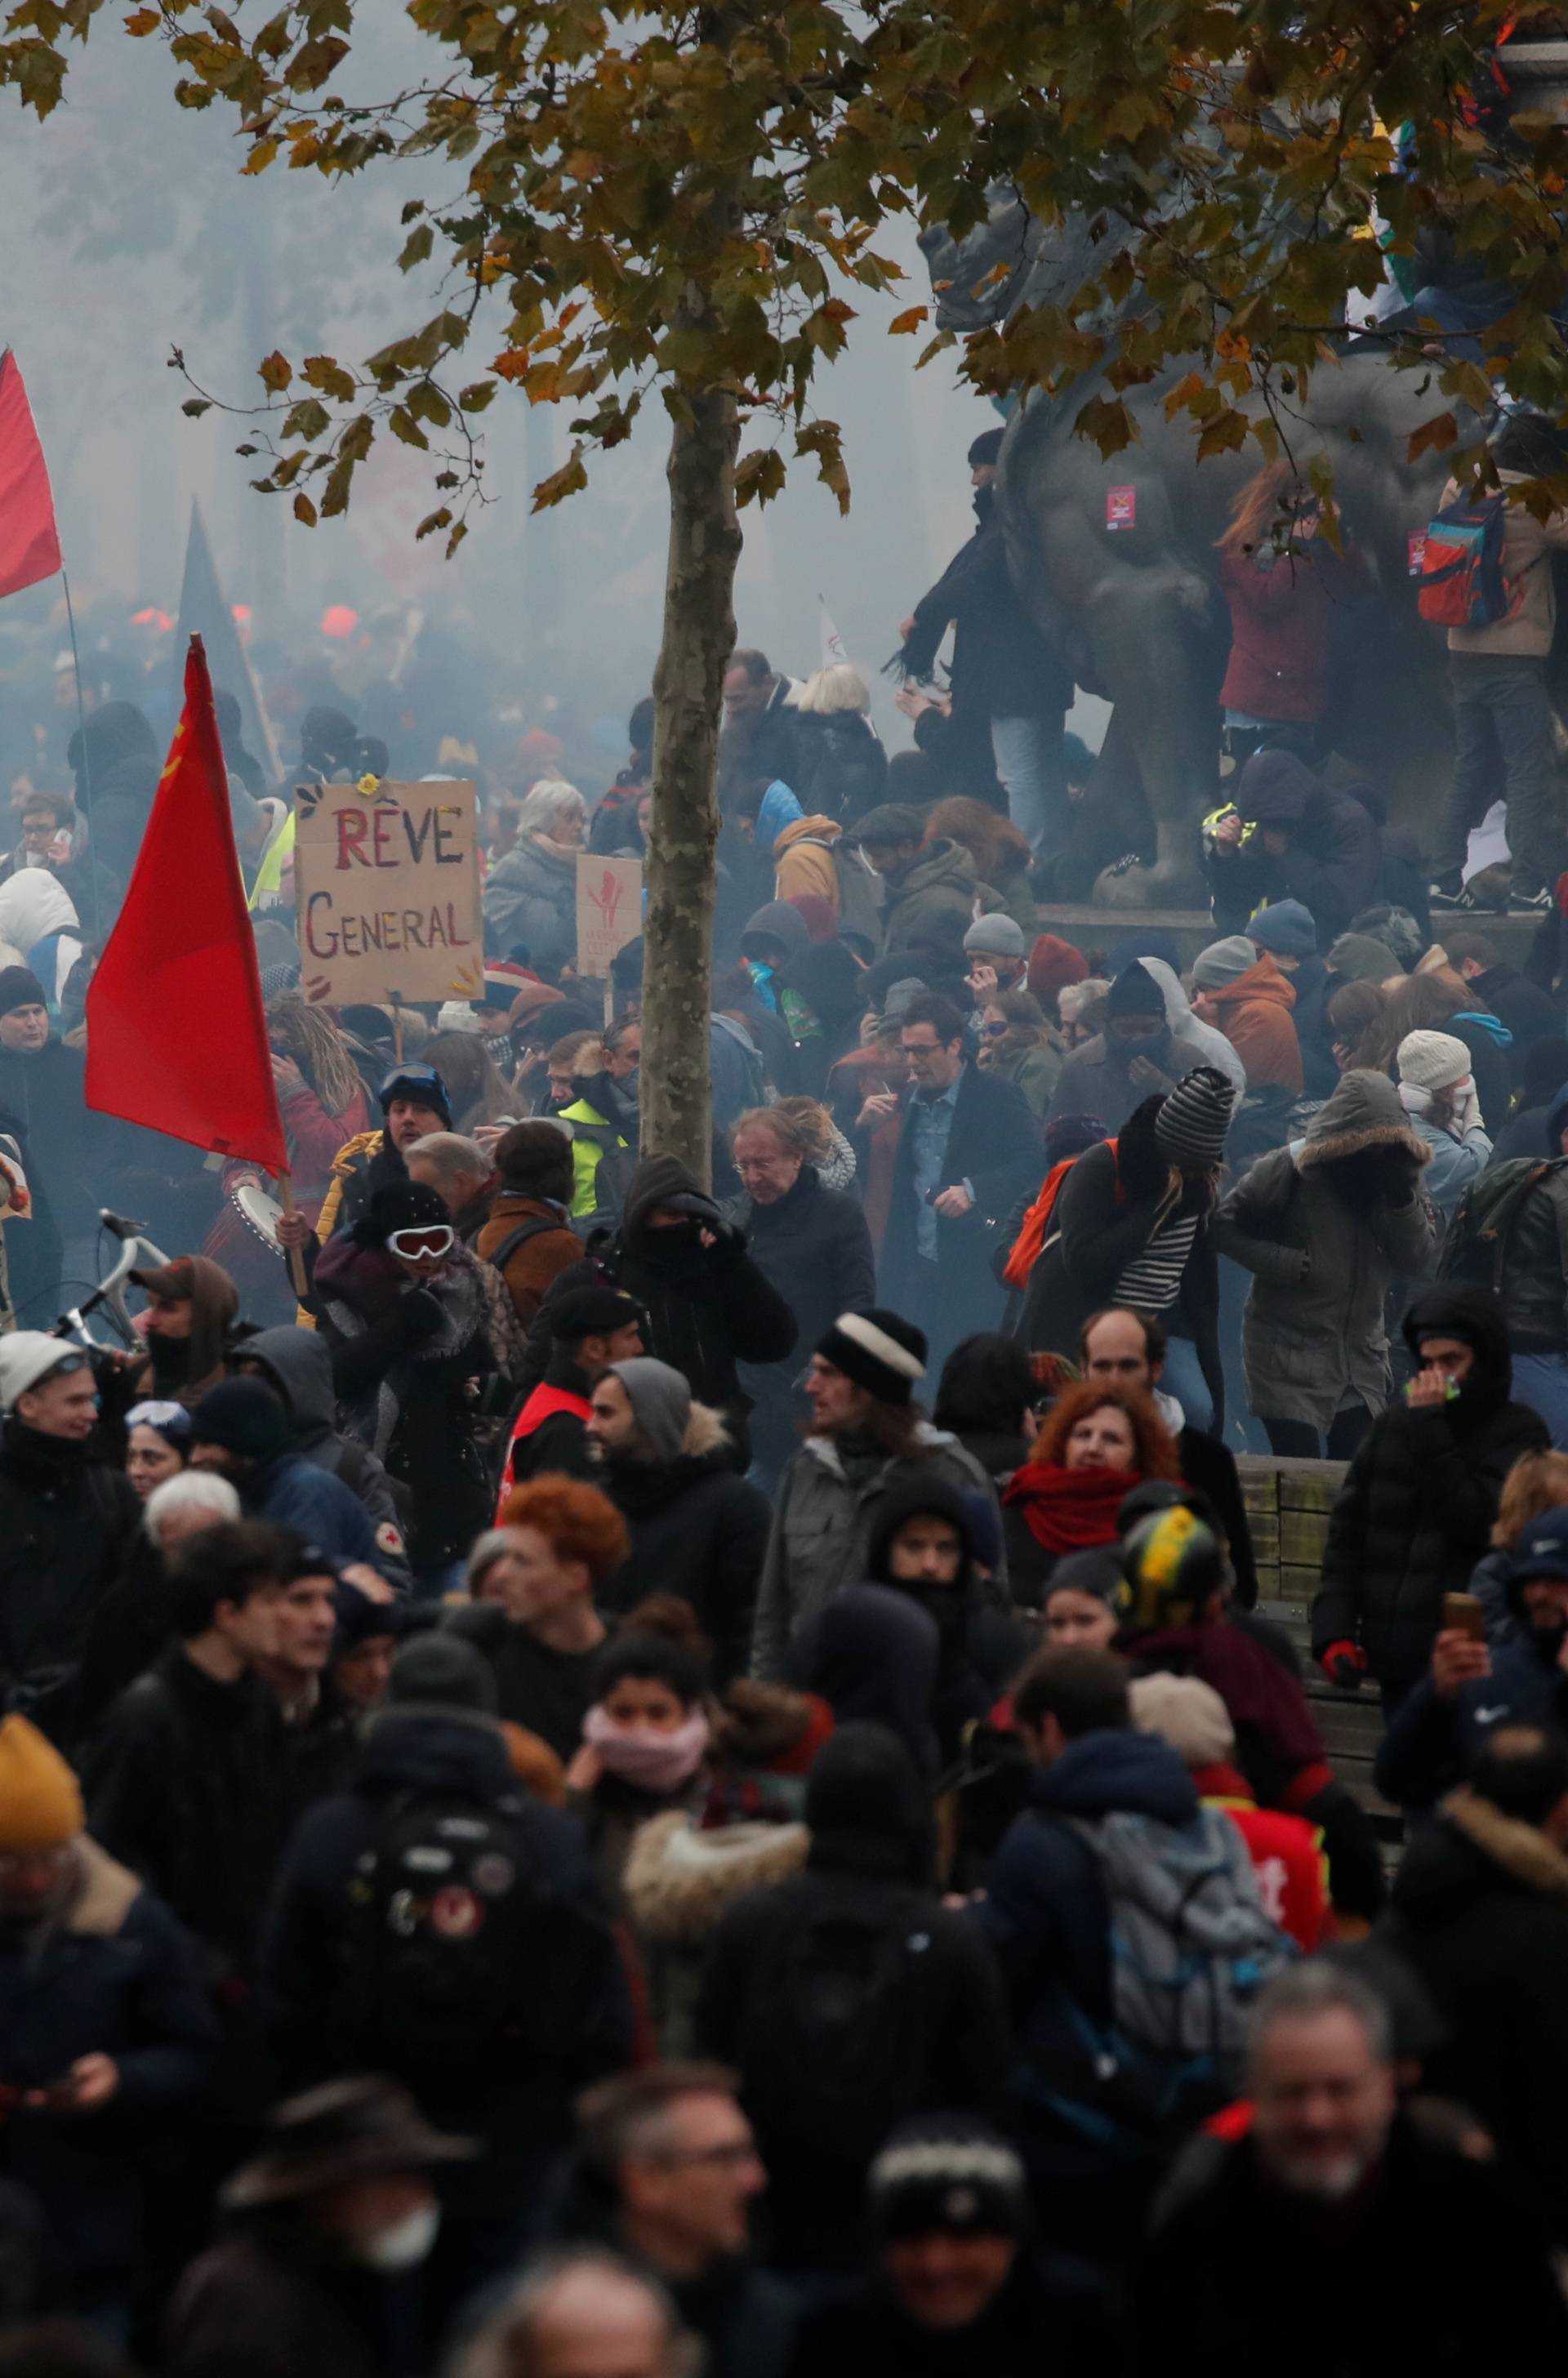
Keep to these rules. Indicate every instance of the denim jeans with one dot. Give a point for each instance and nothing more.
(1183, 1377)
(1502, 744)
(1027, 753)
(1541, 1381)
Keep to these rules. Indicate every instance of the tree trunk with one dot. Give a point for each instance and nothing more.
(699, 635)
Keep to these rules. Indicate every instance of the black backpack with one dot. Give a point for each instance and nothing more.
(458, 1950)
(828, 2053)
(1476, 1246)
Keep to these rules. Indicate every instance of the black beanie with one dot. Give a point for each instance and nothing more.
(19, 987)
(400, 1205)
(879, 1349)
(947, 2171)
(1135, 993)
(244, 1416)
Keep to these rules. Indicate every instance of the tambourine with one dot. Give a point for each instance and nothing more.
(260, 1213)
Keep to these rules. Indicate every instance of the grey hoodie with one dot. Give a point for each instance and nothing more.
(1208, 1047)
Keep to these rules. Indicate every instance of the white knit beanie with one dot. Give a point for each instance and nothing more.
(1432, 1061)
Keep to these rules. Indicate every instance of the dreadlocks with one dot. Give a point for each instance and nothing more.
(318, 1047)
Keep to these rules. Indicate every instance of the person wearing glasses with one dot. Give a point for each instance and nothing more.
(66, 1521)
(1018, 1045)
(666, 2172)
(403, 1307)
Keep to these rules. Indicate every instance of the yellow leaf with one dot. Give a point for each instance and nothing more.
(910, 319)
(276, 372)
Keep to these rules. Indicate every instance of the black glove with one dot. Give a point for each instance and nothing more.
(421, 1314)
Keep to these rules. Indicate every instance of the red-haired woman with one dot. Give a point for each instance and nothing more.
(1095, 1445)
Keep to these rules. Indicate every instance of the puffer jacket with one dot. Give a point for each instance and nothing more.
(825, 1516)
(1416, 1509)
(1322, 1260)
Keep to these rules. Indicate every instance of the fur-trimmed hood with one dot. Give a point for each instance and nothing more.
(1364, 1111)
(678, 1881)
(108, 1892)
(1522, 1851)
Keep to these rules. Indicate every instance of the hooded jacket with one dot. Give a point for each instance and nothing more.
(824, 1514)
(1202, 1044)
(872, 1655)
(802, 859)
(869, 1864)
(1323, 1245)
(299, 1362)
(936, 900)
(517, 2105)
(707, 1308)
(1047, 1916)
(1480, 1910)
(980, 1647)
(1432, 1736)
(1420, 1501)
(1335, 853)
(1255, 1019)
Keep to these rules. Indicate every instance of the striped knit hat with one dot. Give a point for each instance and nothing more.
(1191, 1124)
(880, 1351)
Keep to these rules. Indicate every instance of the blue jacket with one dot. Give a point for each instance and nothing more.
(1431, 1740)
(118, 1977)
(522, 2114)
(293, 1493)
(1047, 1918)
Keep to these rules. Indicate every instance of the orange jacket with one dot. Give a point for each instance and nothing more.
(1254, 1015)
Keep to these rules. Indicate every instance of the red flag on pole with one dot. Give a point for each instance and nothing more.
(29, 544)
(175, 1035)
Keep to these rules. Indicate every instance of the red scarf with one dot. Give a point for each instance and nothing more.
(1069, 1510)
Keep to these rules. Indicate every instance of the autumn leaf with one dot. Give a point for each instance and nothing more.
(1433, 437)
(910, 319)
(276, 372)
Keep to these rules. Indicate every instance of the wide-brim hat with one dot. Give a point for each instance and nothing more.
(343, 2131)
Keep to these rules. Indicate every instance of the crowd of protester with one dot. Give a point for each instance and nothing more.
(656, 1765)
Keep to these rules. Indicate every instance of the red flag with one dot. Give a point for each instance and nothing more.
(175, 1035)
(29, 544)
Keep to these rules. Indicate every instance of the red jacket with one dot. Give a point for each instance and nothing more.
(1282, 624)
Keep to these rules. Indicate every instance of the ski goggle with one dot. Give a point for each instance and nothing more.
(429, 1239)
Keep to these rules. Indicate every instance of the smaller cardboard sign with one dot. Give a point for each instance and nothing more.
(1121, 508)
(609, 910)
(1416, 548)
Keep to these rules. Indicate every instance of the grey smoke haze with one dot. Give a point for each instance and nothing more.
(132, 233)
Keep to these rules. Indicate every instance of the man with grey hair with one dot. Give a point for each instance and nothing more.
(583, 2313)
(1320, 2217)
(666, 2173)
(462, 1175)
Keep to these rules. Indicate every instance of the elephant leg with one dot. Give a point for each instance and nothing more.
(1145, 628)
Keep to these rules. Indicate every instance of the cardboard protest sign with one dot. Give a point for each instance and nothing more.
(387, 892)
(609, 910)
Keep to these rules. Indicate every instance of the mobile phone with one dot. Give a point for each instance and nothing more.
(1463, 1614)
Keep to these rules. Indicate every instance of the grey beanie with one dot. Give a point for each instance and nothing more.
(1221, 962)
(660, 1401)
(996, 936)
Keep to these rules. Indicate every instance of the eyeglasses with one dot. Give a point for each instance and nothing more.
(430, 1239)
